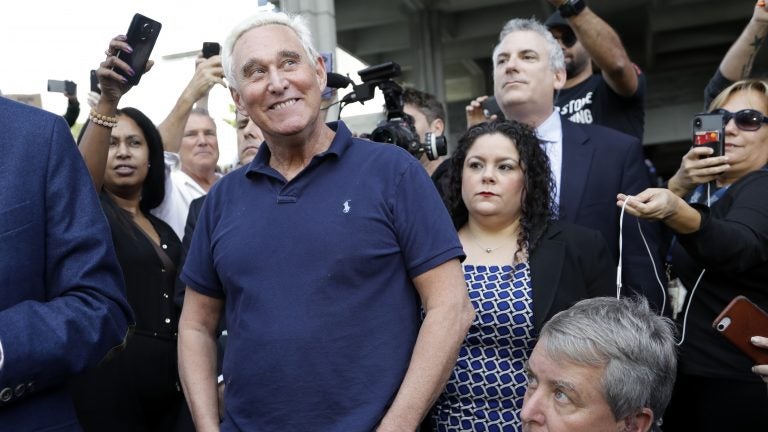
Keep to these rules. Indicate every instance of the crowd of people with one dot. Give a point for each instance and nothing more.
(331, 283)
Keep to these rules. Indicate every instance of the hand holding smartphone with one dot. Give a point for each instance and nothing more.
(141, 36)
(709, 131)
(741, 320)
(491, 108)
(211, 49)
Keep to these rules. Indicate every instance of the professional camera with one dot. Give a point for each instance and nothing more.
(398, 128)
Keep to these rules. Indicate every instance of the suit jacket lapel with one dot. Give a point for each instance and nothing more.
(546, 268)
(577, 161)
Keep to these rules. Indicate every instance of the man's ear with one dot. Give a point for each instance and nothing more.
(559, 79)
(640, 422)
(437, 127)
(322, 76)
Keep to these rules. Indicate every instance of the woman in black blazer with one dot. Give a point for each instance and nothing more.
(522, 267)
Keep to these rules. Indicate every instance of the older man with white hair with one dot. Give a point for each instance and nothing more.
(323, 268)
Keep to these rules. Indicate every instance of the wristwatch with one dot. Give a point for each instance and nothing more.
(571, 8)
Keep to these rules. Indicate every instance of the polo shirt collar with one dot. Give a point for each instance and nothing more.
(341, 141)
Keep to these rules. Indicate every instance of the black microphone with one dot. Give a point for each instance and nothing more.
(337, 81)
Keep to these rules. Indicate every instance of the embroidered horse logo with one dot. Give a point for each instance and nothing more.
(347, 208)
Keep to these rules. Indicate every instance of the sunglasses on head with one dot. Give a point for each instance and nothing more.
(567, 37)
(746, 119)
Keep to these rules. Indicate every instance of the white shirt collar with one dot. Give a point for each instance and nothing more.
(550, 131)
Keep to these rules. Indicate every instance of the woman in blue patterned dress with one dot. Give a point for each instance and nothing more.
(522, 267)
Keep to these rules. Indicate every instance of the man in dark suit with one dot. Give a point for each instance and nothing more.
(63, 306)
(590, 164)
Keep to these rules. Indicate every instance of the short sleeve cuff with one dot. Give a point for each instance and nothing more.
(446, 256)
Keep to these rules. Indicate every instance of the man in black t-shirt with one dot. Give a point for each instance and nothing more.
(616, 96)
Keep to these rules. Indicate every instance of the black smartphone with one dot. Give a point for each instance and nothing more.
(66, 87)
(741, 320)
(211, 49)
(491, 107)
(709, 130)
(95, 82)
(141, 36)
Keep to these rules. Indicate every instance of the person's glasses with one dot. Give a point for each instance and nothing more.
(746, 119)
(566, 36)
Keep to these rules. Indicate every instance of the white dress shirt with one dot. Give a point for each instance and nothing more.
(180, 190)
(551, 135)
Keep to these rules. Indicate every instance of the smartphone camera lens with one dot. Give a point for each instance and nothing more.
(146, 30)
(697, 122)
(723, 324)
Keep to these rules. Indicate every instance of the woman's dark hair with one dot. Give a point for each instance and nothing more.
(153, 190)
(537, 207)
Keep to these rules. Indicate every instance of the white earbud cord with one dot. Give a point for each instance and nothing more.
(658, 279)
(650, 256)
(696, 285)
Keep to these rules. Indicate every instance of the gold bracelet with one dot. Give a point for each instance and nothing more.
(102, 119)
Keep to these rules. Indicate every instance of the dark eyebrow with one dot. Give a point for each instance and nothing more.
(290, 54)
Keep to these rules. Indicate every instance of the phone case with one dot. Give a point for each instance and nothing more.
(709, 130)
(741, 320)
(142, 35)
(211, 49)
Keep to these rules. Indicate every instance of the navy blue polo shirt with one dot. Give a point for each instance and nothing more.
(316, 274)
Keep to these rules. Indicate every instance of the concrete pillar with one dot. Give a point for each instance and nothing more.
(426, 34)
(321, 15)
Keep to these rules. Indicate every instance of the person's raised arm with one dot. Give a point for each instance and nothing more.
(208, 72)
(448, 315)
(604, 46)
(197, 357)
(94, 144)
(738, 61)
(73, 108)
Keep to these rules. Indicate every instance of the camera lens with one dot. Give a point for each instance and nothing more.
(146, 30)
(697, 122)
(397, 132)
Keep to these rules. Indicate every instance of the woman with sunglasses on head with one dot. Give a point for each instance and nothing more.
(135, 390)
(717, 207)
